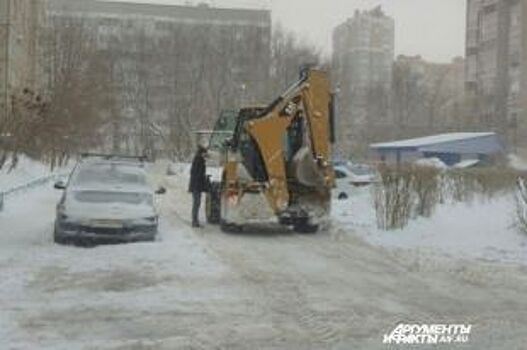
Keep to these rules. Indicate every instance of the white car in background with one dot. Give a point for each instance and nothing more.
(351, 176)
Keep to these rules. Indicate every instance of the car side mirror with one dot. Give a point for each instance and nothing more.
(60, 185)
(161, 190)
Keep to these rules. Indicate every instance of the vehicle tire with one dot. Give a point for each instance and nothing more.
(58, 239)
(213, 204)
(230, 228)
(305, 227)
(151, 239)
(342, 196)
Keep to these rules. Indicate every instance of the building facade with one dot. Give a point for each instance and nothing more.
(496, 65)
(363, 53)
(428, 96)
(18, 49)
(173, 67)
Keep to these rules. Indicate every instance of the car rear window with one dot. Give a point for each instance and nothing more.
(110, 174)
(362, 170)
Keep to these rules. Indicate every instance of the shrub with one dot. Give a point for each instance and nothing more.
(405, 192)
(409, 191)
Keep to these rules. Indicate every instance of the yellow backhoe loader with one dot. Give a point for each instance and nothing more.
(276, 163)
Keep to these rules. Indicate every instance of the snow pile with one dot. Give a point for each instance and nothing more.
(26, 171)
(482, 229)
(176, 169)
(438, 163)
(517, 163)
(431, 162)
(467, 163)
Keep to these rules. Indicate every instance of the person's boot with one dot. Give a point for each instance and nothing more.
(196, 224)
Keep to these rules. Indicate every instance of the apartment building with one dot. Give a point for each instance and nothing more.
(169, 62)
(363, 53)
(496, 65)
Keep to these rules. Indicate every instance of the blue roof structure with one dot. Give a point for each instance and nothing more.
(461, 143)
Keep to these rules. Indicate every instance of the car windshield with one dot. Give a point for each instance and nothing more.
(110, 174)
(112, 197)
(361, 170)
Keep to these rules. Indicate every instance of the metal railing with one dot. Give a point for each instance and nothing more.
(521, 204)
(26, 187)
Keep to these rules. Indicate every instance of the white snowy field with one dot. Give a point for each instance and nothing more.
(482, 229)
(26, 171)
(270, 289)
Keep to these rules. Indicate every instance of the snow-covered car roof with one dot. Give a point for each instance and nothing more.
(110, 176)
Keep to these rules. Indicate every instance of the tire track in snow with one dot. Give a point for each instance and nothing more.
(284, 295)
(279, 293)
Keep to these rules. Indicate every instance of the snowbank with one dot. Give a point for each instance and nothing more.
(482, 229)
(431, 162)
(26, 171)
(517, 162)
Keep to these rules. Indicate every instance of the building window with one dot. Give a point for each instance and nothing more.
(489, 8)
(472, 51)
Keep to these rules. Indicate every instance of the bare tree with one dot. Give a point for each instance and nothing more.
(288, 56)
(66, 117)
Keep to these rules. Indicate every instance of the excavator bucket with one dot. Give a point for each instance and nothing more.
(306, 170)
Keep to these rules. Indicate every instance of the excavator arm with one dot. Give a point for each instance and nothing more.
(307, 103)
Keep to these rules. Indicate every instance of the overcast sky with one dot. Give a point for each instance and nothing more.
(434, 29)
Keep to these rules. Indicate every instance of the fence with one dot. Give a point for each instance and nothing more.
(27, 186)
(521, 204)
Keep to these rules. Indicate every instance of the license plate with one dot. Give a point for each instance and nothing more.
(107, 224)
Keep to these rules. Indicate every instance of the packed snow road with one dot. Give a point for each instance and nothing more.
(202, 289)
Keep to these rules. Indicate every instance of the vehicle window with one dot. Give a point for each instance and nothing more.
(109, 174)
(340, 174)
(361, 170)
(223, 130)
(112, 197)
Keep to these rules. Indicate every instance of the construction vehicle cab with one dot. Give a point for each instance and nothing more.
(276, 167)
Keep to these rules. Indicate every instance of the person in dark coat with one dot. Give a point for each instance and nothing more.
(198, 182)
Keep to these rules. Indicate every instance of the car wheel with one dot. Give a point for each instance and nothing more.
(59, 239)
(213, 204)
(228, 227)
(305, 227)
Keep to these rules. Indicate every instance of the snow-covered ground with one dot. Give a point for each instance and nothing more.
(482, 229)
(517, 162)
(56, 297)
(26, 171)
(270, 289)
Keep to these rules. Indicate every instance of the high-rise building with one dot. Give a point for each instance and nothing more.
(172, 65)
(428, 97)
(496, 64)
(363, 53)
(18, 45)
